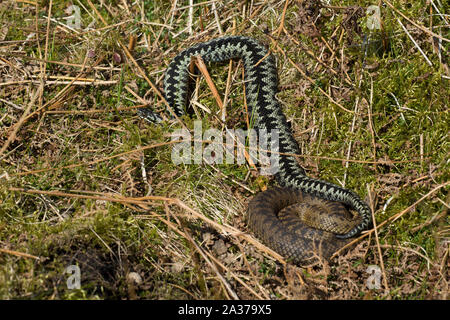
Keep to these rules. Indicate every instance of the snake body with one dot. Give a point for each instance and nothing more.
(302, 226)
(260, 75)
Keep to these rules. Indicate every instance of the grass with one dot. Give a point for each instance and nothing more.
(84, 181)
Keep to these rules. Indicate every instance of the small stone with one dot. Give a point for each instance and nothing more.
(134, 278)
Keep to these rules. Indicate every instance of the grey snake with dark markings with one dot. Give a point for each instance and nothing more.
(260, 75)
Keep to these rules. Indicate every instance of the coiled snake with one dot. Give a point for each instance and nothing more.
(261, 87)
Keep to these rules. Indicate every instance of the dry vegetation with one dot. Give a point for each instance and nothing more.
(84, 181)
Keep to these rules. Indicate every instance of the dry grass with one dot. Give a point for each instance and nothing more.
(84, 181)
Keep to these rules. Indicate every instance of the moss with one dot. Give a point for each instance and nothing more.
(98, 154)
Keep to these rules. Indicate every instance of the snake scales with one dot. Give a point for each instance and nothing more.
(261, 87)
(298, 225)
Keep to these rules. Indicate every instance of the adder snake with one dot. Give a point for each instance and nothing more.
(261, 88)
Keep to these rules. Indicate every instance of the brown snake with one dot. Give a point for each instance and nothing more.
(273, 215)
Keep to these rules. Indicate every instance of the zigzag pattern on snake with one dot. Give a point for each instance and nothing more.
(261, 87)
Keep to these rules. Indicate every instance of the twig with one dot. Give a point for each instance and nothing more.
(415, 24)
(19, 254)
(283, 15)
(57, 82)
(204, 70)
(143, 202)
(190, 17)
(220, 264)
(380, 255)
(303, 73)
(44, 65)
(216, 17)
(233, 231)
(63, 91)
(75, 165)
(195, 5)
(393, 218)
(415, 43)
(213, 267)
(352, 129)
(95, 111)
(142, 73)
(203, 141)
(21, 121)
(372, 131)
